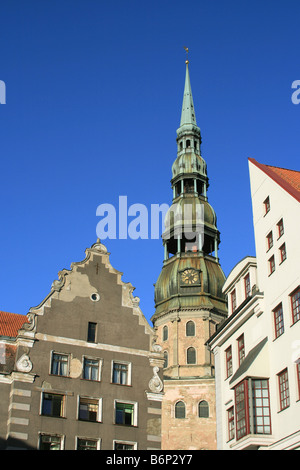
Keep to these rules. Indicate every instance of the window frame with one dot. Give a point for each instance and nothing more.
(231, 423)
(298, 376)
(191, 360)
(182, 410)
(278, 321)
(165, 333)
(280, 228)
(283, 389)
(295, 305)
(252, 407)
(95, 359)
(43, 408)
(282, 253)
(269, 240)
(241, 348)
(125, 443)
(233, 300)
(228, 362)
(91, 333)
(86, 447)
(205, 409)
(190, 328)
(128, 366)
(134, 415)
(86, 400)
(247, 285)
(49, 435)
(59, 364)
(271, 264)
(267, 206)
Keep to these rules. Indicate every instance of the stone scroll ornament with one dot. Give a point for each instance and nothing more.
(155, 384)
(24, 364)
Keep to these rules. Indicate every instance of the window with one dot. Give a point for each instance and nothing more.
(89, 409)
(284, 395)
(59, 364)
(91, 336)
(125, 445)
(252, 405)
(278, 321)
(267, 205)
(166, 359)
(247, 285)
(282, 253)
(191, 356)
(241, 349)
(298, 376)
(203, 409)
(125, 413)
(190, 328)
(233, 300)
(261, 407)
(228, 355)
(121, 373)
(230, 418)
(269, 240)
(87, 444)
(271, 262)
(242, 409)
(295, 301)
(280, 228)
(48, 442)
(52, 405)
(165, 333)
(180, 410)
(91, 369)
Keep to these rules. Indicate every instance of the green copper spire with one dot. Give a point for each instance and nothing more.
(188, 112)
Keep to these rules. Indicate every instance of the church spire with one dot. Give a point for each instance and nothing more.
(188, 112)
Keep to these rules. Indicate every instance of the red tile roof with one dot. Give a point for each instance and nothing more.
(10, 323)
(289, 180)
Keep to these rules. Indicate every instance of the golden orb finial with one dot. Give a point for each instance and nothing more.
(187, 52)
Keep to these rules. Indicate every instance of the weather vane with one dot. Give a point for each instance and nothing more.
(187, 54)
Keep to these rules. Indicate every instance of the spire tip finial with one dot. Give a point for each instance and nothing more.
(187, 52)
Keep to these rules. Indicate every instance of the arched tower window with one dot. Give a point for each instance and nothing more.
(190, 328)
(166, 359)
(180, 410)
(191, 356)
(165, 333)
(203, 409)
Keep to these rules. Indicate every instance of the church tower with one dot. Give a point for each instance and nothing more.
(188, 295)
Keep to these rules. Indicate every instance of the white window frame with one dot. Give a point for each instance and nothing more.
(129, 370)
(98, 439)
(135, 411)
(121, 441)
(99, 414)
(54, 351)
(86, 356)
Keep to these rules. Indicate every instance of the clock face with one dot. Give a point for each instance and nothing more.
(190, 276)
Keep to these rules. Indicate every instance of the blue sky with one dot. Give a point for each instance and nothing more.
(93, 100)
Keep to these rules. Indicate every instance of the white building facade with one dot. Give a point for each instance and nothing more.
(257, 349)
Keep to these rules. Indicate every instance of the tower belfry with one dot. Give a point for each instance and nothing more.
(188, 294)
